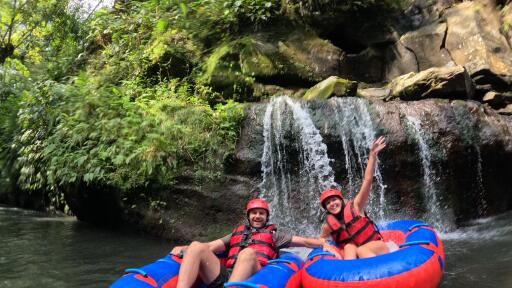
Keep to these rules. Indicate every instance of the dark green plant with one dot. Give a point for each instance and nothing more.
(101, 136)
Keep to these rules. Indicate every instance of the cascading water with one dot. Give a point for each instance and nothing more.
(468, 126)
(294, 172)
(296, 167)
(356, 131)
(482, 204)
(434, 214)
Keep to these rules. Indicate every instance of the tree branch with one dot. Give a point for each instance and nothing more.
(92, 11)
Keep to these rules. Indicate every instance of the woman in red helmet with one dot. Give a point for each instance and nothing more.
(248, 247)
(346, 222)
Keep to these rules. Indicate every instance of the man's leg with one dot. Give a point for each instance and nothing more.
(372, 249)
(245, 266)
(199, 261)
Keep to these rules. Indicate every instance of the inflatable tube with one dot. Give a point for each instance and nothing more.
(163, 273)
(418, 262)
(282, 272)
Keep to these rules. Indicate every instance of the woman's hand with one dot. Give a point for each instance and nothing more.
(377, 145)
(329, 248)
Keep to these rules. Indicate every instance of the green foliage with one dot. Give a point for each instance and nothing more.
(44, 34)
(314, 8)
(98, 135)
(14, 77)
(8, 129)
(136, 116)
(37, 117)
(255, 12)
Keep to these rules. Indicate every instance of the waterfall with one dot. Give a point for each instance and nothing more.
(482, 204)
(356, 132)
(468, 126)
(434, 213)
(294, 172)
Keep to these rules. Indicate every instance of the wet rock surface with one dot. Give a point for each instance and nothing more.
(182, 212)
(447, 82)
(425, 35)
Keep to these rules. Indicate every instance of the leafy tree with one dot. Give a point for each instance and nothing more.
(45, 35)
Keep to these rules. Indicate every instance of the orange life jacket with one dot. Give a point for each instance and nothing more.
(352, 227)
(258, 239)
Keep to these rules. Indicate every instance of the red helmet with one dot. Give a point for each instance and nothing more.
(257, 203)
(328, 193)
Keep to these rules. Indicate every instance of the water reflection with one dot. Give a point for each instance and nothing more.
(37, 250)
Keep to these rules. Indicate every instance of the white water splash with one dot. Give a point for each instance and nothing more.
(489, 228)
(293, 198)
(356, 131)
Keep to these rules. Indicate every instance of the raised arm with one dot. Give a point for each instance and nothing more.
(363, 194)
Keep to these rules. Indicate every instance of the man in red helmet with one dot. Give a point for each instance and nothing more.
(248, 247)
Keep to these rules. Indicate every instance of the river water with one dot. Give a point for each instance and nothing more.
(37, 250)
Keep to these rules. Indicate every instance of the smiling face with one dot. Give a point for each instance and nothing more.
(333, 204)
(257, 217)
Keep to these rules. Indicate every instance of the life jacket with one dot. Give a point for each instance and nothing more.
(258, 239)
(350, 227)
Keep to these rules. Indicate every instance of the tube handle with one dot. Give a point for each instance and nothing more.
(280, 261)
(411, 243)
(136, 271)
(320, 254)
(242, 284)
(418, 226)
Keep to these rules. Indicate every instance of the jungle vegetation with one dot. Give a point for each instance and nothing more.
(120, 97)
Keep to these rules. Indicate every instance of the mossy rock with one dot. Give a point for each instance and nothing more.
(171, 55)
(291, 57)
(270, 59)
(223, 73)
(262, 91)
(330, 87)
(288, 58)
(257, 58)
(278, 56)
